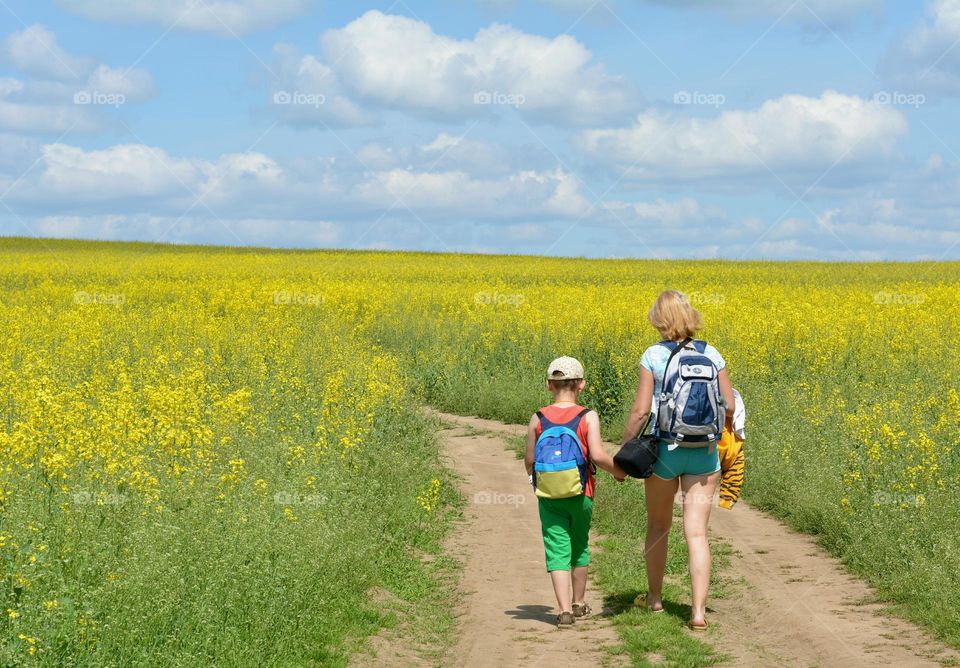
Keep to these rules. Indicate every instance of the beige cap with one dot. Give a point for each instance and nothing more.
(565, 368)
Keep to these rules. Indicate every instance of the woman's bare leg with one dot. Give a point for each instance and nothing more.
(659, 494)
(698, 491)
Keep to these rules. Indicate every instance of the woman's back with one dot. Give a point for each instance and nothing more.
(655, 359)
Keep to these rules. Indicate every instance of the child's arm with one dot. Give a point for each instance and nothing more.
(598, 453)
(531, 442)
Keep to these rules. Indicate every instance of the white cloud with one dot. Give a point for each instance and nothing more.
(131, 170)
(34, 50)
(134, 85)
(928, 58)
(791, 135)
(18, 113)
(64, 92)
(132, 179)
(448, 152)
(309, 93)
(385, 62)
(219, 16)
(140, 192)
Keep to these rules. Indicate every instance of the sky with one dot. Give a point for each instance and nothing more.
(736, 129)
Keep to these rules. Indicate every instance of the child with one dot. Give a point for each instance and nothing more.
(565, 484)
(731, 455)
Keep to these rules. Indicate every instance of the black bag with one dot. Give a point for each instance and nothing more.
(638, 456)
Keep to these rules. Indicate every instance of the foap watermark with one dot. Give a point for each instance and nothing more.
(297, 499)
(515, 100)
(99, 98)
(83, 298)
(298, 98)
(899, 499)
(498, 299)
(486, 498)
(699, 99)
(707, 298)
(81, 498)
(895, 98)
(899, 298)
(296, 298)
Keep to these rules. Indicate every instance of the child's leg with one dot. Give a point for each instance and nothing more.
(555, 526)
(561, 588)
(581, 516)
(580, 584)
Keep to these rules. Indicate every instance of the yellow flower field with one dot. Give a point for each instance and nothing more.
(178, 421)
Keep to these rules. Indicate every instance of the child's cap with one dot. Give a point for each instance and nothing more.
(565, 368)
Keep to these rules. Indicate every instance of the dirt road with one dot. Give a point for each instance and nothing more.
(798, 607)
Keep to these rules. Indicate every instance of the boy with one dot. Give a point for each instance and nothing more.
(566, 496)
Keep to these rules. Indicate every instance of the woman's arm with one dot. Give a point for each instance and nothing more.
(531, 442)
(598, 454)
(641, 405)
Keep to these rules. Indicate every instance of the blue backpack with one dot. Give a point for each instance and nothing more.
(560, 469)
(691, 408)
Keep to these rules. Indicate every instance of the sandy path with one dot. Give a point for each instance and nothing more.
(508, 607)
(799, 606)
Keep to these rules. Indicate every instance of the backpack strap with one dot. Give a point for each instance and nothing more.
(663, 387)
(545, 422)
(700, 346)
(573, 425)
(576, 420)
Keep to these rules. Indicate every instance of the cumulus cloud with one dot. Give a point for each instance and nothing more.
(791, 135)
(34, 50)
(384, 62)
(226, 17)
(131, 170)
(928, 58)
(143, 179)
(62, 92)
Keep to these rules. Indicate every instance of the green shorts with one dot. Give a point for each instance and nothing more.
(565, 524)
(686, 461)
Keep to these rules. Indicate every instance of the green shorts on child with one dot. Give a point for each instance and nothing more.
(565, 524)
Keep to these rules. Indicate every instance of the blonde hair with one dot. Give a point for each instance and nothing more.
(674, 317)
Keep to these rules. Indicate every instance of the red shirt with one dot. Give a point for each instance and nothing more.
(559, 415)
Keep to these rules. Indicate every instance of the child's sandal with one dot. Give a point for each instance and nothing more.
(582, 610)
(565, 620)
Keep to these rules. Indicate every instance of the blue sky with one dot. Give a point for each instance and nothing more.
(781, 129)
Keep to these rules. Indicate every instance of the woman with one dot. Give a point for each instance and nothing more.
(695, 469)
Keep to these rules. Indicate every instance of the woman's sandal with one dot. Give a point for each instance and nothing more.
(582, 610)
(697, 627)
(643, 603)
